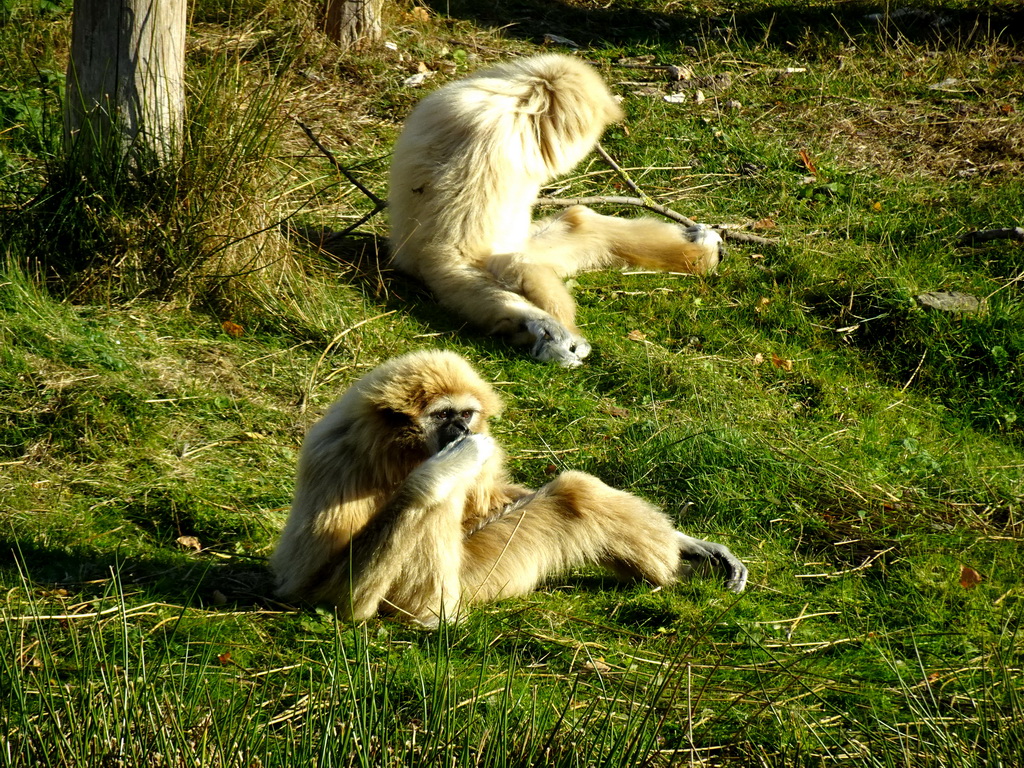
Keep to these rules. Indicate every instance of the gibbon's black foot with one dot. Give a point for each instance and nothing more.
(703, 235)
(554, 343)
(696, 553)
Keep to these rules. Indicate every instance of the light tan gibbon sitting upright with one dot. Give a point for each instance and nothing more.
(403, 505)
(466, 171)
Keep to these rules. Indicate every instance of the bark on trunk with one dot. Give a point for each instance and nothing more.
(353, 23)
(125, 84)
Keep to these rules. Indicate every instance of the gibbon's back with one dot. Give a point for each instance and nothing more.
(473, 155)
(566, 99)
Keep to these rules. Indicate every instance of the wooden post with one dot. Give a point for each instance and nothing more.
(125, 98)
(351, 23)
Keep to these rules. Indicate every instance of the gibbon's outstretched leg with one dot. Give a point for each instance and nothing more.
(577, 520)
(581, 240)
(466, 170)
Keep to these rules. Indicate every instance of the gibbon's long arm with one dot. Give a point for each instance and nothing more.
(366, 569)
(424, 512)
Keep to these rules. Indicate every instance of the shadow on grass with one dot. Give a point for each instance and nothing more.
(778, 24)
(364, 257)
(199, 580)
(60, 578)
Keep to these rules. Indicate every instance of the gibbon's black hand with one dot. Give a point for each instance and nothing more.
(717, 556)
(733, 571)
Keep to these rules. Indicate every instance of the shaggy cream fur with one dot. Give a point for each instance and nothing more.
(403, 504)
(467, 169)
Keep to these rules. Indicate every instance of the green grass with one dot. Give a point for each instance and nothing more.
(863, 455)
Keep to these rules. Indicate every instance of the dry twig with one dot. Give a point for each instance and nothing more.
(837, 574)
(618, 169)
(378, 204)
(644, 201)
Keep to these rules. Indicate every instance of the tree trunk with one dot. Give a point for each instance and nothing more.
(353, 23)
(125, 102)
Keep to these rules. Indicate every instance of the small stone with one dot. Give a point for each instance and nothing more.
(550, 39)
(718, 82)
(950, 301)
(679, 73)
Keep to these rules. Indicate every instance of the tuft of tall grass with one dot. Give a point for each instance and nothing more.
(197, 230)
(124, 683)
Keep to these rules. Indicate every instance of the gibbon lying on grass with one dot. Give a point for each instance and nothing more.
(403, 504)
(466, 171)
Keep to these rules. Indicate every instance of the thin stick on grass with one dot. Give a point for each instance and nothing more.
(618, 169)
(565, 202)
(338, 166)
(798, 619)
(914, 374)
(836, 574)
(378, 204)
(137, 610)
(645, 201)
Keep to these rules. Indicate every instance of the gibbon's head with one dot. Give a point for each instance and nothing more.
(425, 400)
(571, 104)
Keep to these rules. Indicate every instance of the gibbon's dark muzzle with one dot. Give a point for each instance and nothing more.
(453, 430)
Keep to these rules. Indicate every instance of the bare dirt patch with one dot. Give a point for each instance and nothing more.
(960, 139)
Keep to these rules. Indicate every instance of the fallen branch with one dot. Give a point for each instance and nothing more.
(644, 201)
(983, 235)
(378, 204)
(728, 234)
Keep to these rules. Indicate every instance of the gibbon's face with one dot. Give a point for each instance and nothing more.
(448, 419)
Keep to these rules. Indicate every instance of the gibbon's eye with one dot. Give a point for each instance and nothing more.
(449, 425)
